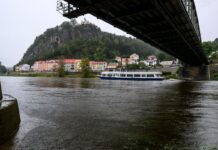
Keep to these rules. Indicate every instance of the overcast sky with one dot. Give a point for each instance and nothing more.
(23, 20)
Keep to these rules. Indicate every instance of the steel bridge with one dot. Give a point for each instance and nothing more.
(170, 25)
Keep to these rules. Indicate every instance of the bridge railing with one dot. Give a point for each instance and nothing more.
(64, 7)
(191, 10)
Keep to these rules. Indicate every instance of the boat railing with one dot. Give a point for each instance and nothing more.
(122, 70)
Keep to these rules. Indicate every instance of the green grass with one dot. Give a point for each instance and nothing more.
(33, 74)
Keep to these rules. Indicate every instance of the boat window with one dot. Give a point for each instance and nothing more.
(116, 75)
(129, 75)
(109, 75)
(144, 75)
(103, 75)
(123, 75)
(150, 75)
(137, 75)
(158, 75)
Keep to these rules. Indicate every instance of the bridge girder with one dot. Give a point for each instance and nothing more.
(170, 25)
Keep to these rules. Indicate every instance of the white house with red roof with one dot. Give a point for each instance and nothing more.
(133, 59)
(151, 60)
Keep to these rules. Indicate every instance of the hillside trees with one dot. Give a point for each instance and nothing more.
(74, 40)
(3, 69)
(85, 69)
(61, 69)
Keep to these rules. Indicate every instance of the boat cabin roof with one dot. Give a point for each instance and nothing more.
(128, 72)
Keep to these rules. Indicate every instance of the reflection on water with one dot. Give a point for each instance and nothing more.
(169, 119)
(101, 114)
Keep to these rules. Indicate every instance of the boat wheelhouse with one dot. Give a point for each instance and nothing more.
(121, 75)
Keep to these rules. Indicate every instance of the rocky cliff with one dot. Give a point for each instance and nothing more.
(73, 40)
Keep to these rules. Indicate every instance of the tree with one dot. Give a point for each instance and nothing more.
(161, 56)
(84, 65)
(85, 21)
(73, 22)
(143, 66)
(132, 66)
(208, 47)
(3, 69)
(79, 40)
(61, 68)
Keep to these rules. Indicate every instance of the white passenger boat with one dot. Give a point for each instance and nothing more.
(140, 76)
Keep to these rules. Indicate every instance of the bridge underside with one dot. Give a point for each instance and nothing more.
(164, 24)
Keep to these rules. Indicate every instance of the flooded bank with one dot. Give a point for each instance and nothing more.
(59, 113)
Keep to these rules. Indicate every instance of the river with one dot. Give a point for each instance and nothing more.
(93, 114)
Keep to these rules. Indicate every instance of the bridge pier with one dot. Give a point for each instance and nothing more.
(195, 72)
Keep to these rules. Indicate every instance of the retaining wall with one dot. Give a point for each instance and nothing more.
(9, 118)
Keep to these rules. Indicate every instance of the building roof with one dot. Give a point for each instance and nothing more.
(71, 60)
(152, 57)
(166, 63)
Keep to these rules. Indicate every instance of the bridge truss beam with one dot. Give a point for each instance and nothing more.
(170, 25)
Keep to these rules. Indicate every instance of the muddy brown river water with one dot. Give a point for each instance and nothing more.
(93, 114)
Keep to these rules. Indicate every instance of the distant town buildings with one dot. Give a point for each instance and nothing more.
(166, 63)
(23, 68)
(150, 61)
(97, 66)
(45, 66)
(112, 66)
(70, 65)
(171, 63)
(73, 65)
(133, 59)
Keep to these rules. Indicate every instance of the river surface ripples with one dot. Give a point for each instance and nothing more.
(93, 114)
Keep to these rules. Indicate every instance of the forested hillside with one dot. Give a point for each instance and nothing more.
(210, 47)
(73, 40)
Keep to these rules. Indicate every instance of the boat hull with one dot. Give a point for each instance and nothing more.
(132, 79)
